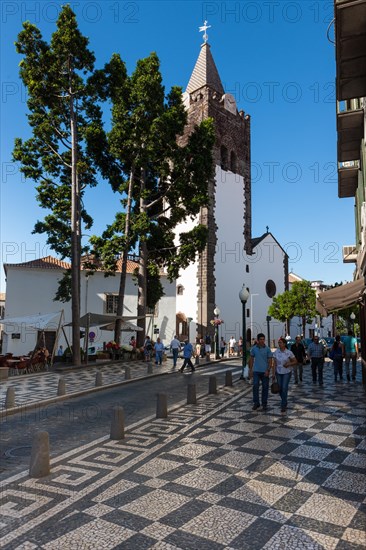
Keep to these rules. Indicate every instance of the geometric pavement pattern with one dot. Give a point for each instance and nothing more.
(34, 388)
(214, 475)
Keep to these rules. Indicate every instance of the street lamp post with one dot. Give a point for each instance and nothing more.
(268, 319)
(217, 316)
(244, 295)
(189, 321)
(353, 317)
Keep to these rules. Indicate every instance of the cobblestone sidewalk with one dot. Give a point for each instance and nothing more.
(211, 476)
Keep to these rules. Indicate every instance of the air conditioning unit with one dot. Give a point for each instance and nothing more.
(349, 254)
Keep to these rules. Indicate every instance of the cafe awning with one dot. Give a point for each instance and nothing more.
(37, 321)
(126, 326)
(340, 297)
(98, 319)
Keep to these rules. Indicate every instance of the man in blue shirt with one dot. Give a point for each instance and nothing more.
(187, 354)
(260, 367)
(350, 350)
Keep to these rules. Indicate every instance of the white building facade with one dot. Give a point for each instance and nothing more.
(32, 286)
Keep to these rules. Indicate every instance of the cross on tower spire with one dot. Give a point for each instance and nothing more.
(204, 29)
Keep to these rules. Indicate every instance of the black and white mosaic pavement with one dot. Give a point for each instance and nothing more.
(212, 476)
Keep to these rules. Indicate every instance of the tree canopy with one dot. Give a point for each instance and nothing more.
(299, 301)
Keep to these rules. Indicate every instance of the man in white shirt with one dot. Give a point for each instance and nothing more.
(232, 344)
(175, 349)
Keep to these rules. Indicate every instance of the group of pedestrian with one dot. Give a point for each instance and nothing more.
(265, 365)
(175, 347)
(347, 350)
(150, 347)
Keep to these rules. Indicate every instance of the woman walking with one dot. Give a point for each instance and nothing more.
(284, 359)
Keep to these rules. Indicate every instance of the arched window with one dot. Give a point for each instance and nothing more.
(233, 162)
(180, 290)
(224, 158)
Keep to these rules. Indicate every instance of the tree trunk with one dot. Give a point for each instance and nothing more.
(141, 279)
(75, 234)
(122, 281)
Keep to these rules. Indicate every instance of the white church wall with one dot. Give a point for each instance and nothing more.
(266, 264)
(229, 260)
(186, 302)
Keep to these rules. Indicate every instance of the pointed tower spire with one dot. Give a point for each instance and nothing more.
(205, 72)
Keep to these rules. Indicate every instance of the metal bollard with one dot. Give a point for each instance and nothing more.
(10, 398)
(191, 394)
(207, 357)
(149, 368)
(40, 456)
(162, 406)
(212, 385)
(197, 360)
(61, 388)
(127, 373)
(228, 378)
(99, 378)
(118, 423)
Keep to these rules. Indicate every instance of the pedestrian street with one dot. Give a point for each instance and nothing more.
(33, 388)
(214, 476)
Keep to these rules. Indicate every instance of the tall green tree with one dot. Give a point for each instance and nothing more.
(62, 113)
(303, 298)
(299, 301)
(164, 183)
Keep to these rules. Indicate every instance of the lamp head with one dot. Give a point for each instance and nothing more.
(352, 316)
(217, 311)
(244, 294)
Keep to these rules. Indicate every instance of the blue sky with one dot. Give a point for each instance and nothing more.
(273, 56)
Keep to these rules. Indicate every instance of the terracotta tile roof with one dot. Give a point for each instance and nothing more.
(49, 262)
(292, 278)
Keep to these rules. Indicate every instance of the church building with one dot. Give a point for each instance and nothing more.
(232, 256)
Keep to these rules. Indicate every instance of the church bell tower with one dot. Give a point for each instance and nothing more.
(219, 272)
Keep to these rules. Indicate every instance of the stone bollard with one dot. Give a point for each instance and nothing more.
(127, 373)
(149, 368)
(40, 456)
(99, 378)
(162, 406)
(197, 360)
(191, 394)
(212, 385)
(118, 423)
(228, 378)
(61, 388)
(10, 398)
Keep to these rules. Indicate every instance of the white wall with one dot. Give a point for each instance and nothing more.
(31, 291)
(230, 266)
(229, 259)
(267, 263)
